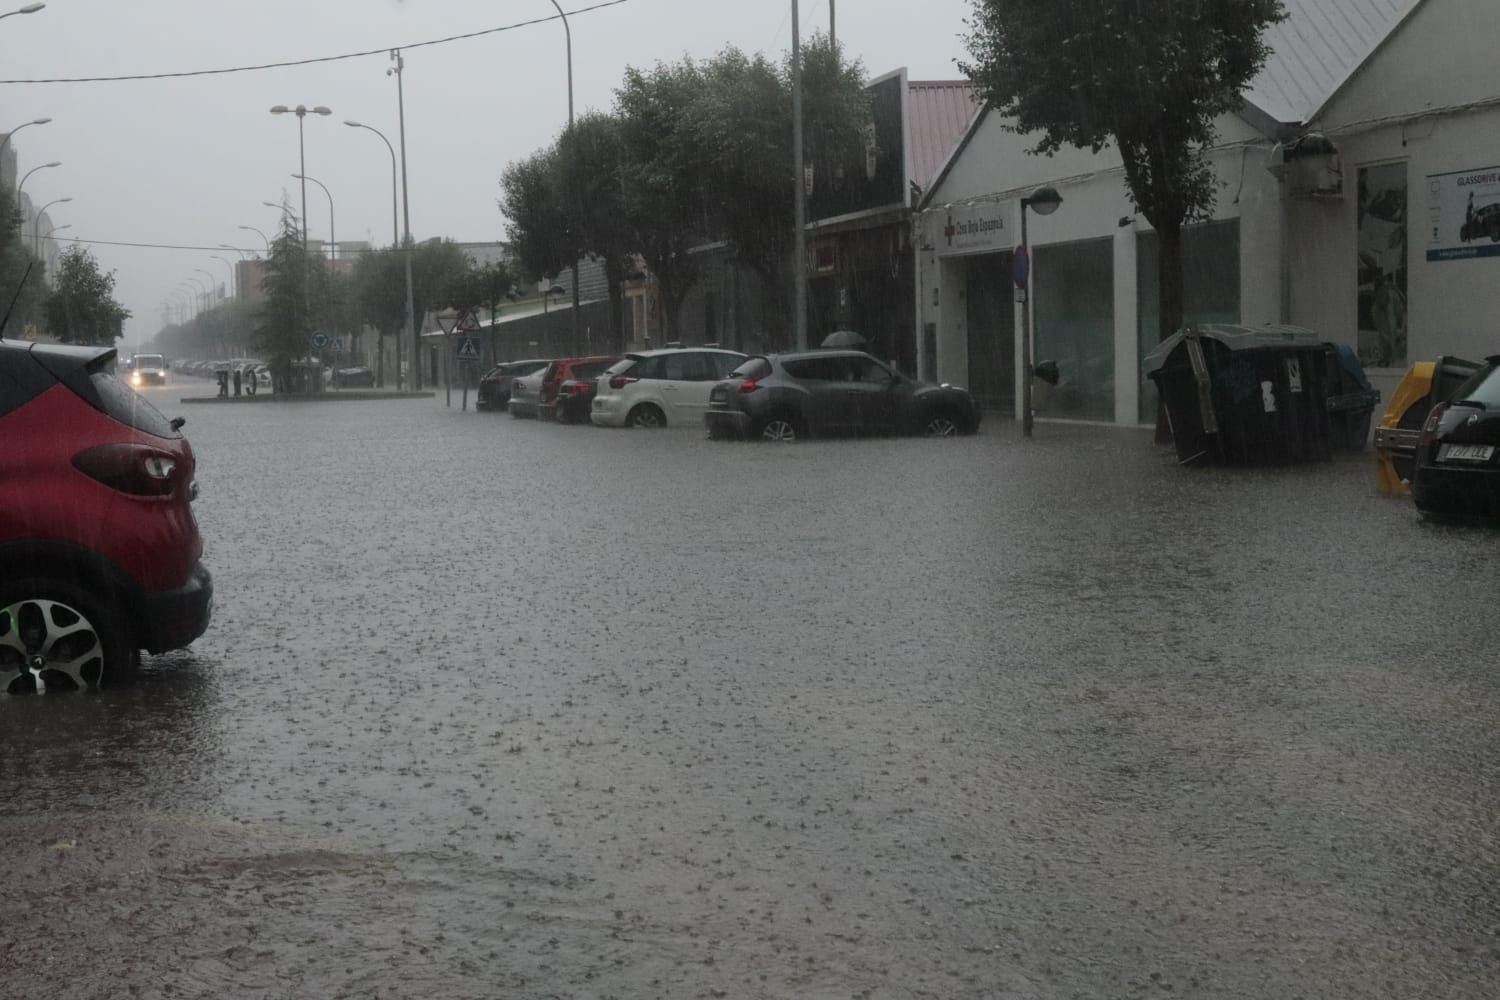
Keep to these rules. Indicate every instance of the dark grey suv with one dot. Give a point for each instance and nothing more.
(783, 397)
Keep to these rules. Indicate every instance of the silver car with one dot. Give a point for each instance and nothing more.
(526, 393)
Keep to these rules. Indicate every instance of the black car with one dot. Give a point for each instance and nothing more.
(575, 394)
(783, 397)
(494, 388)
(1458, 452)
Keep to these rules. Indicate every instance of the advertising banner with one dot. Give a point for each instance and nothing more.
(1463, 214)
(978, 228)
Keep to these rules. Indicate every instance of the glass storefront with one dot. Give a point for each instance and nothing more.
(1210, 288)
(1074, 315)
(991, 321)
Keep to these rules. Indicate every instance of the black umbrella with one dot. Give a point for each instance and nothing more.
(845, 338)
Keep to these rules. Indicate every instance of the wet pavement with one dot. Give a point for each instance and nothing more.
(504, 709)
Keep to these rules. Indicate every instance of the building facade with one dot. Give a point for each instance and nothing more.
(1353, 195)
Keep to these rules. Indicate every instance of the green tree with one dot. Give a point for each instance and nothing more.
(538, 224)
(591, 165)
(380, 298)
(15, 257)
(295, 288)
(663, 168)
(742, 122)
(82, 307)
(1151, 76)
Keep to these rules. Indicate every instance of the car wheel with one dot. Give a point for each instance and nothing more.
(647, 416)
(779, 429)
(940, 425)
(55, 635)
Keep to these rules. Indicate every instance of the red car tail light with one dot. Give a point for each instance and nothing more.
(749, 385)
(621, 381)
(130, 468)
(577, 388)
(1429, 429)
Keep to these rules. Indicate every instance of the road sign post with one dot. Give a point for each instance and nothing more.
(468, 350)
(447, 320)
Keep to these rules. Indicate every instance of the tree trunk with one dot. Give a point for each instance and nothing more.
(1169, 289)
(614, 272)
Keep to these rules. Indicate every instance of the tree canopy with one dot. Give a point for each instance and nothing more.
(1149, 76)
(82, 307)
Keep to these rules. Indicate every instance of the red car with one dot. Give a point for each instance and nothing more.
(99, 550)
(574, 370)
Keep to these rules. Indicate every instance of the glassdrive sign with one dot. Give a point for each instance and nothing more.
(979, 227)
(1463, 214)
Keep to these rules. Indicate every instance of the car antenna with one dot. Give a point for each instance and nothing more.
(15, 298)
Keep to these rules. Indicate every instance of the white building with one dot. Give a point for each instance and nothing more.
(1393, 246)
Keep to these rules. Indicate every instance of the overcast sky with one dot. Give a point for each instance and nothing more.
(187, 161)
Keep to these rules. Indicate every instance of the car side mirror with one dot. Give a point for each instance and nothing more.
(178, 422)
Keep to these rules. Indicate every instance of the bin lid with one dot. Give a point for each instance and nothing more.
(1235, 337)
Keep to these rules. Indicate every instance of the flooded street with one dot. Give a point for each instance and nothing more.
(504, 709)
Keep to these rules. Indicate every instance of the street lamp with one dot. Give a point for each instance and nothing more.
(228, 267)
(799, 211)
(568, 33)
(22, 185)
(5, 139)
(213, 283)
(30, 8)
(287, 213)
(1042, 201)
(399, 72)
(244, 254)
(257, 232)
(302, 111)
(36, 226)
(395, 242)
(333, 245)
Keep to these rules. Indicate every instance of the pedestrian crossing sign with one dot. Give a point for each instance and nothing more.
(468, 349)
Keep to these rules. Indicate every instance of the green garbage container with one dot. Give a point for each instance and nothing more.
(1243, 395)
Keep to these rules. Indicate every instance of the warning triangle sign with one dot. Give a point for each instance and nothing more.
(468, 349)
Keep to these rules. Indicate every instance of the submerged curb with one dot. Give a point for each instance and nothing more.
(337, 396)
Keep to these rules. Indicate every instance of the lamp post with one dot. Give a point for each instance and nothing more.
(398, 71)
(333, 244)
(213, 284)
(5, 139)
(395, 242)
(22, 186)
(799, 213)
(36, 226)
(244, 254)
(30, 8)
(228, 267)
(302, 111)
(1042, 201)
(568, 35)
(287, 213)
(257, 232)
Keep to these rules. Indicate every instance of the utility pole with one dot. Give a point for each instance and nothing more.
(833, 20)
(568, 32)
(799, 248)
(407, 247)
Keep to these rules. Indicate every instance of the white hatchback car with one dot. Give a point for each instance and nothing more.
(661, 388)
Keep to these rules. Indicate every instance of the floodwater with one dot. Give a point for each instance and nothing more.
(503, 709)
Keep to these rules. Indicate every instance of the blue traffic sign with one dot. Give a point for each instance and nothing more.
(1020, 267)
(468, 349)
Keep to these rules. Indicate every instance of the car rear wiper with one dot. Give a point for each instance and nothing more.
(1473, 403)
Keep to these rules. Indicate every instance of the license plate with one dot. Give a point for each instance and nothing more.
(718, 394)
(1465, 452)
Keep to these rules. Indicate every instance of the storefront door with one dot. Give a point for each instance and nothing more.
(992, 331)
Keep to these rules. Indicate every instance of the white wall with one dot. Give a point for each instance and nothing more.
(995, 166)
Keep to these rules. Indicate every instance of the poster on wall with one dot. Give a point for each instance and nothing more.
(1382, 265)
(1463, 214)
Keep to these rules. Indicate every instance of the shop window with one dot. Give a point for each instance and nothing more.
(1381, 248)
(1075, 326)
(1210, 288)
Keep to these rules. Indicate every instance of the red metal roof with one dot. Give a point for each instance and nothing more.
(938, 114)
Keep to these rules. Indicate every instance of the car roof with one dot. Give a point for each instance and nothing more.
(830, 352)
(661, 351)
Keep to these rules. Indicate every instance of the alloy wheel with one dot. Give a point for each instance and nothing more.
(42, 640)
(647, 417)
(778, 429)
(940, 427)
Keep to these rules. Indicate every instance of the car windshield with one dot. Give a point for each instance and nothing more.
(786, 500)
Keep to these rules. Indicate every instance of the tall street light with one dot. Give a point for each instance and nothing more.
(22, 185)
(228, 267)
(36, 226)
(398, 71)
(213, 284)
(568, 34)
(257, 232)
(244, 254)
(5, 138)
(30, 8)
(302, 111)
(333, 244)
(1042, 201)
(395, 242)
(287, 213)
(799, 214)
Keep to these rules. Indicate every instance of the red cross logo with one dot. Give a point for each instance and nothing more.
(950, 232)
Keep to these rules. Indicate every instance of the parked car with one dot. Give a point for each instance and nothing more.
(657, 388)
(784, 397)
(356, 377)
(526, 393)
(555, 374)
(148, 369)
(1458, 452)
(494, 388)
(575, 394)
(99, 551)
